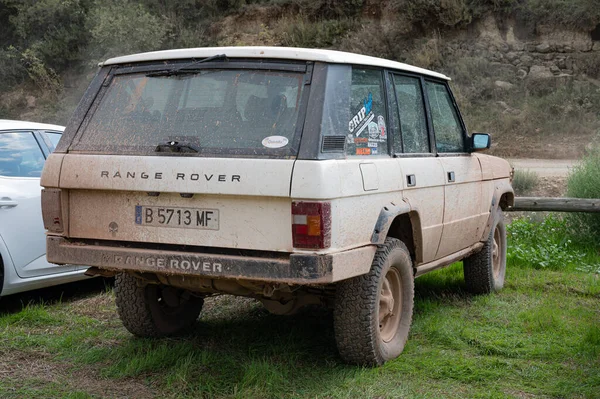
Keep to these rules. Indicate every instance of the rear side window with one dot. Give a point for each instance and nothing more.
(446, 125)
(219, 111)
(367, 128)
(53, 139)
(20, 155)
(411, 109)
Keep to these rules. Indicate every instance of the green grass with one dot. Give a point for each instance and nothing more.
(539, 337)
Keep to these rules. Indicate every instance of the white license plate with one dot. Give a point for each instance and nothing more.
(189, 218)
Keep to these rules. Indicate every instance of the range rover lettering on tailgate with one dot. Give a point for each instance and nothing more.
(294, 176)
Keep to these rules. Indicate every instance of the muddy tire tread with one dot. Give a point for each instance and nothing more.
(477, 268)
(354, 310)
(133, 308)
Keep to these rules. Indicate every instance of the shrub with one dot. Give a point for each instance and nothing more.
(570, 13)
(121, 27)
(54, 29)
(547, 245)
(584, 182)
(524, 181)
(318, 34)
(434, 13)
(12, 71)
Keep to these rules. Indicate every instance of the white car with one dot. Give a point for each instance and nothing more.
(24, 147)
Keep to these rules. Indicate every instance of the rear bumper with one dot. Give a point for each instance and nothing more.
(287, 268)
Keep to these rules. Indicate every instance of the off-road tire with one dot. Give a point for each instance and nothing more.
(485, 271)
(358, 332)
(145, 313)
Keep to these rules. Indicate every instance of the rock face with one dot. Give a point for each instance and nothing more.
(566, 40)
(543, 48)
(540, 72)
(503, 85)
(535, 52)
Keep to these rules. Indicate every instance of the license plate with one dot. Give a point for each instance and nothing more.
(189, 218)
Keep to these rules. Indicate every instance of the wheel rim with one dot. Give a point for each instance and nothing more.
(169, 300)
(497, 252)
(390, 303)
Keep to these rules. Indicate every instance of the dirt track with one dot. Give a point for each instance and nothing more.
(544, 167)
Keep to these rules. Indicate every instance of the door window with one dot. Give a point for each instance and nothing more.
(53, 139)
(367, 130)
(446, 125)
(20, 155)
(413, 123)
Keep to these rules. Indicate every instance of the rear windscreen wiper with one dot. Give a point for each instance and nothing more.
(177, 146)
(186, 68)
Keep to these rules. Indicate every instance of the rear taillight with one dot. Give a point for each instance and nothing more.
(311, 224)
(52, 210)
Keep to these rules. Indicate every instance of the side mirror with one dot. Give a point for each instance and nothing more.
(480, 142)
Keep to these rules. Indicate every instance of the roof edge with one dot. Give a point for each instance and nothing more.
(292, 53)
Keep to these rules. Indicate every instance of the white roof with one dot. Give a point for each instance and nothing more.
(288, 53)
(6, 124)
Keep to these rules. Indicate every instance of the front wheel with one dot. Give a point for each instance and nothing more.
(485, 270)
(373, 312)
(152, 310)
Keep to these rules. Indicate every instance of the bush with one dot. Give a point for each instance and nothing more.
(53, 29)
(571, 13)
(434, 13)
(524, 181)
(12, 71)
(318, 34)
(121, 27)
(584, 182)
(547, 245)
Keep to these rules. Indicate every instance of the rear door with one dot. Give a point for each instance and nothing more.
(203, 158)
(21, 228)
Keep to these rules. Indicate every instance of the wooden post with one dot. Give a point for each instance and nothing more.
(555, 204)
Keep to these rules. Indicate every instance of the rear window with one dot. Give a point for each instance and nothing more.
(218, 111)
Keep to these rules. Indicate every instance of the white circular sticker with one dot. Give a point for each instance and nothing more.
(275, 141)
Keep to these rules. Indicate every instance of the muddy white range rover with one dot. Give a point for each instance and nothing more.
(294, 176)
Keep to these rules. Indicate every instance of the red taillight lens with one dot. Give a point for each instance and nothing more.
(311, 224)
(52, 210)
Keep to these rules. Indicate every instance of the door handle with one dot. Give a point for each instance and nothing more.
(411, 180)
(6, 202)
(451, 177)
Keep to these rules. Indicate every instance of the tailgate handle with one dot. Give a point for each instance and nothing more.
(411, 180)
(6, 202)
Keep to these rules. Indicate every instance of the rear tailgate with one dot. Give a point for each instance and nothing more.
(113, 197)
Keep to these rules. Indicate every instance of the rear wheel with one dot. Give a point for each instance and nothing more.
(153, 310)
(485, 270)
(373, 312)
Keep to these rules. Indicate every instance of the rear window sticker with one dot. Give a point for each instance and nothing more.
(275, 141)
(374, 151)
(350, 139)
(359, 140)
(374, 131)
(364, 116)
(363, 151)
(372, 144)
(381, 125)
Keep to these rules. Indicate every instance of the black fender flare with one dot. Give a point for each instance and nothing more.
(386, 218)
(388, 214)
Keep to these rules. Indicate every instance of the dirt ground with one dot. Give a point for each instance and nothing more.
(552, 175)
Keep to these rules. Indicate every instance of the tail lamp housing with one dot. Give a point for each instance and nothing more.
(311, 224)
(52, 210)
